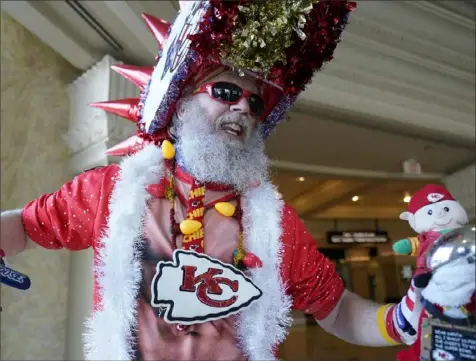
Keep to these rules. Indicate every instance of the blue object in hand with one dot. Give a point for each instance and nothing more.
(13, 278)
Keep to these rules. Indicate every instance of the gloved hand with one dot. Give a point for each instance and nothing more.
(421, 280)
(404, 246)
(407, 313)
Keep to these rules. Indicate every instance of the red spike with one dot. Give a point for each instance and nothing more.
(158, 27)
(158, 190)
(138, 75)
(127, 147)
(127, 108)
(252, 261)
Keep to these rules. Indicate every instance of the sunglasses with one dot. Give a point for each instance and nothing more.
(230, 93)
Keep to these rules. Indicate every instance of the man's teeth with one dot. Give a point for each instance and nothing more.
(232, 128)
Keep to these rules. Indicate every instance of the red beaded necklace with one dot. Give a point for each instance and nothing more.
(192, 227)
(196, 210)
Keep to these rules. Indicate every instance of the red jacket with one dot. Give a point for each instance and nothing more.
(75, 216)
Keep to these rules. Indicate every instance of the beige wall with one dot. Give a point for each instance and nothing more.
(461, 185)
(34, 117)
(80, 303)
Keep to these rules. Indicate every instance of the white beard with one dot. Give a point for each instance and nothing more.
(210, 158)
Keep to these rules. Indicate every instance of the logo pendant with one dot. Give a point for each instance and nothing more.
(196, 288)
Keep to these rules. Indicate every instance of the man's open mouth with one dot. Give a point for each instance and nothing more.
(233, 129)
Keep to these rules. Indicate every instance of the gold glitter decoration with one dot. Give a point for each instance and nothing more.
(240, 251)
(170, 192)
(263, 32)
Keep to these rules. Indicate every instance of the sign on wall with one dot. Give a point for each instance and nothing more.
(357, 237)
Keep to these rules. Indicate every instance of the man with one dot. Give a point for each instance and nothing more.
(196, 257)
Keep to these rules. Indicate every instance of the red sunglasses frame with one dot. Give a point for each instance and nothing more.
(207, 88)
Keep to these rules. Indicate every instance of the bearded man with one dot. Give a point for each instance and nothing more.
(196, 257)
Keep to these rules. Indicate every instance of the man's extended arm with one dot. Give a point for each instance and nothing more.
(361, 322)
(63, 219)
(317, 289)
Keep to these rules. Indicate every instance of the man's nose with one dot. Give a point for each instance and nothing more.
(242, 106)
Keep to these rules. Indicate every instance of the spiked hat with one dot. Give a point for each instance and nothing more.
(283, 43)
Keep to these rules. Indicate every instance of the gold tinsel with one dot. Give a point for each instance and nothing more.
(263, 31)
(240, 251)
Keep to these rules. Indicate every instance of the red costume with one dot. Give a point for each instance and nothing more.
(174, 254)
(76, 216)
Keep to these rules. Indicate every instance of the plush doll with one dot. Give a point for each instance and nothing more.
(432, 211)
(447, 324)
(446, 289)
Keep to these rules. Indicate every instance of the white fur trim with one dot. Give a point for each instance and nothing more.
(108, 331)
(263, 326)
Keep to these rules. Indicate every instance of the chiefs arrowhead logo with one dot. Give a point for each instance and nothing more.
(441, 355)
(434, 197)
(195, 288)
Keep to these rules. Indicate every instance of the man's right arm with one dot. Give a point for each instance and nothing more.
(68, 218)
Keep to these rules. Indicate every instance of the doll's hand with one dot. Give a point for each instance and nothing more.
(403, 246)
(422, 280)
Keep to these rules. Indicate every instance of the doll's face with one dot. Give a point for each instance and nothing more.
(440, 215)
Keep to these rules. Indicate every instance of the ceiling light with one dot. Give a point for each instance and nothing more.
(407, 198)
(355, 198)
(301, 179)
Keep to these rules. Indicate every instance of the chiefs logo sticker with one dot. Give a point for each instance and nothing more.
(196, 288)
(440, 355)
(434, 197)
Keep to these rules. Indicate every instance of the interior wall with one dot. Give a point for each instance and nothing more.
(80, 302)
(34, 160)
(461, 185)
(396, 230)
